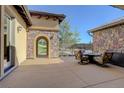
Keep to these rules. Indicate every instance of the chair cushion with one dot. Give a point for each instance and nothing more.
(84, 58)
(98, 59)
(105, 58)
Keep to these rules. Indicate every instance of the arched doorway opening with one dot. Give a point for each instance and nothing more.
(42, 47)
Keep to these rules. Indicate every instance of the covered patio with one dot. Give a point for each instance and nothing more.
(63, 73)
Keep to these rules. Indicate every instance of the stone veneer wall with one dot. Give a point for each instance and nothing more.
(54, 42)
(110, 38)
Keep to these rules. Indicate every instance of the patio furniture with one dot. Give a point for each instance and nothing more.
(104, 58)
(118, 59)
(80, 56)
(77, 55)
(84, 60)
(91, 56)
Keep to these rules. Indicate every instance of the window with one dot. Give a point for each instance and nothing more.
(42, 47)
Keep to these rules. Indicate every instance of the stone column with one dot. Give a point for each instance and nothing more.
(1, 40)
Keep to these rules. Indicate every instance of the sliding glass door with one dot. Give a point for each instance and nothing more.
(7, 43)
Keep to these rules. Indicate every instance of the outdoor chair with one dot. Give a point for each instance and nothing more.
(104, 58)
(76, 54)
(83, 59)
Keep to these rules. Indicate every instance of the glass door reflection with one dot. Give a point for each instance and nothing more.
(7, 41)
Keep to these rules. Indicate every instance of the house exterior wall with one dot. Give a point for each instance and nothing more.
(19, 37)
(53, 43)
(109, 38)
(43, 23)
(48, 28)
(21, 42)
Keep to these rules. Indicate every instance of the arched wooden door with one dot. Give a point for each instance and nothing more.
(42, 47)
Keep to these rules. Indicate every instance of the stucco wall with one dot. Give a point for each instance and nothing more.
(19, 37)
(20, 43)
(110, 38)
(53, 43)
(44, 23)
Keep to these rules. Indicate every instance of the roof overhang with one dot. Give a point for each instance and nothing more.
(60, 17)
(23, 11)
(119, 6)
(111, 24)
(108, 25)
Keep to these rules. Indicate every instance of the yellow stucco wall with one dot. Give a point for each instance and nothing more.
(20, 42)
(19, 36)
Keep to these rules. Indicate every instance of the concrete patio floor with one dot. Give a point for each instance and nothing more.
(63, 73)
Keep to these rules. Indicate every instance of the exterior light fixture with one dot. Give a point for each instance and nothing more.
(19, 28)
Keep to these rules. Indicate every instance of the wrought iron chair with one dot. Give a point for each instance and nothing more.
(104, 58)
(83, 59)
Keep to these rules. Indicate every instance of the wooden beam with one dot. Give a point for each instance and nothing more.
(55, 18)
(47, 17)
(39, 16)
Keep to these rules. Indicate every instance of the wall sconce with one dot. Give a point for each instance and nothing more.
(19, 28)
(52, 36)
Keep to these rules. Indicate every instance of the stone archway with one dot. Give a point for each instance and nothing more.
(42, 47)
(41, 39)
(53, 43)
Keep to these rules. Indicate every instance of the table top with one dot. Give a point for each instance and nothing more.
(92, 54)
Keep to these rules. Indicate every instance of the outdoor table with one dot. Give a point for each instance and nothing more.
(91, 55)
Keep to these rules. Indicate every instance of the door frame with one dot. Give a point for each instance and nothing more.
(10, 40)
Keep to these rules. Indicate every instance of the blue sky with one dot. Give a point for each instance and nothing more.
(83, 17)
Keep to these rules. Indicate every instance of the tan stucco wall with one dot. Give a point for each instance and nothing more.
(19, 36)
(45, 24)
(20, 43)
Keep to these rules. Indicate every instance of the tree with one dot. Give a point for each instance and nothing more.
(67, 37)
